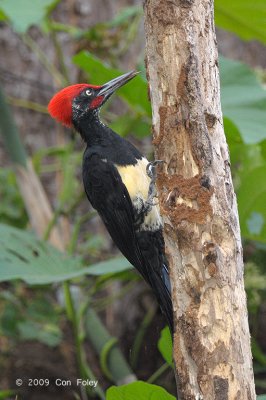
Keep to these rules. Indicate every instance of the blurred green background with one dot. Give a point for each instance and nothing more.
(81, 311)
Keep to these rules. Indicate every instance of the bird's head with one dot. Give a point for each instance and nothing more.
(76, 102)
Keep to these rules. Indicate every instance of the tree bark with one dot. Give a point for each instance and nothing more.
(198, 204)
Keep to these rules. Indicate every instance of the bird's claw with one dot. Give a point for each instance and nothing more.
(150, 169)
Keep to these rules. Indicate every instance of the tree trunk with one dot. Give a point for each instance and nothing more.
(197, 201)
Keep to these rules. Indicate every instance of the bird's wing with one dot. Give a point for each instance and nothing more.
(109, 196)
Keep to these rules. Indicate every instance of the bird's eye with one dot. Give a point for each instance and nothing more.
(88, 92)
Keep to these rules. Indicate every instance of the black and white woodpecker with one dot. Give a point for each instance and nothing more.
(119, 183)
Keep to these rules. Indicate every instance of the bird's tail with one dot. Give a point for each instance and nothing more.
(161, 286)
(153, 267)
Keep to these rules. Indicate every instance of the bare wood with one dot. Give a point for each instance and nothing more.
(198, 205)
(37, 204)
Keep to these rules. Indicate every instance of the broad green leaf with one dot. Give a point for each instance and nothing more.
(233, 135)
(23, 256)
(113, 266)
(261, 397)
(243, 100)
(165, 345)
(135, 92)
(234, 140)
(138, 390)
(25, 13)
(251, 195)
(249, 169)
(263, 148)
(243, 17)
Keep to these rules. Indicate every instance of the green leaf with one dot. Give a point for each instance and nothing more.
(261, 397)
(23, 256)
(138, 390)
(12, 210)
(165, 345)
(5, 394)
(9, 318)
(243, 100)
(249, 169)
(44, 333)
(243, 17)
(134, 93)
(25, 13)
(2, 18)
(33, 318)
(251, 196)
(113, 266)
(234, 140)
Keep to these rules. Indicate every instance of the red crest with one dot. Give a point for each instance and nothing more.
(60, 106)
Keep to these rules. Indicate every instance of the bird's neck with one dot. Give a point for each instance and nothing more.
(113, 147)
(93, 131)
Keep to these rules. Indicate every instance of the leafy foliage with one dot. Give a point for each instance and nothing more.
(4, 394)
(23, 256)
(101, 73)
(138, 390)
(244, 18)
(165, 345)
(12, 210)
(25, 13)
(33, 319)
(249, 168)
(255, 284)
(33, 261)
(244, 104)
(251, 200)
(67, 161)
(243, 100)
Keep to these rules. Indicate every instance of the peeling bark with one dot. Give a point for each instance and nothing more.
(198, 204)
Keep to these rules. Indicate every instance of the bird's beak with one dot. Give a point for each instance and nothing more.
(110, 87)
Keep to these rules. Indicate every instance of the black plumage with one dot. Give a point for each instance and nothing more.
(117, 184)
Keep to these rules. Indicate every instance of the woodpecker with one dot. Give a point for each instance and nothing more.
(119, 183)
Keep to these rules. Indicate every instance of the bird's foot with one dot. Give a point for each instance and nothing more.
(152, 192)
(150, 169)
